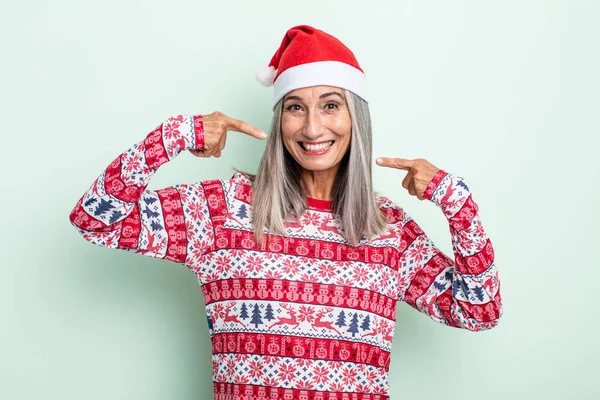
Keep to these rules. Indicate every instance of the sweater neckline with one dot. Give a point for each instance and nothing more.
(325, 205)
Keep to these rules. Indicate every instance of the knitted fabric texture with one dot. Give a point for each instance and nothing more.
(305, 315)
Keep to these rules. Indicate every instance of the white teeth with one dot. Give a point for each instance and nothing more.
(315, 147)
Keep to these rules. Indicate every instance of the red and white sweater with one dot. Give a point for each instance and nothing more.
(305, 315)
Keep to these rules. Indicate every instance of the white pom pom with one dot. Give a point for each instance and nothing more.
(265, 75)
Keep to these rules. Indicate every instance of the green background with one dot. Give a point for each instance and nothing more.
(502, 93)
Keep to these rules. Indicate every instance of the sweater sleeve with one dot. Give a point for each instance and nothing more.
(464, 292)
(118, 212)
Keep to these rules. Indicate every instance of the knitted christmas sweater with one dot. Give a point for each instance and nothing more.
(305, 315)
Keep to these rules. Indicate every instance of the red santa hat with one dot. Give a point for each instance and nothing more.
(309, 57)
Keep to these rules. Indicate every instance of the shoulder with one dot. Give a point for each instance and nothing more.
(236, 188)
(393, 211)
(239, 183)
(242, 178)
(240, 186)
(238, 179)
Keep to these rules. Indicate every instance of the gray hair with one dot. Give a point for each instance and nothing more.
(278, 197)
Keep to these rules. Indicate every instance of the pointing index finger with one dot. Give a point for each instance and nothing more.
(244, 127)
(399, 163)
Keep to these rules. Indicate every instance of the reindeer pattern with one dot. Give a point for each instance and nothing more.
(303, 311)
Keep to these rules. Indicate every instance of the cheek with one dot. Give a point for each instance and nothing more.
(288, 127)
(344, 130)
(342, 124)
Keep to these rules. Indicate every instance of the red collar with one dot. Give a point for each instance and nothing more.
(325, 205)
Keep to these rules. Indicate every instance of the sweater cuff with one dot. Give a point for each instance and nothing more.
(447, 191)
(183, 132)
(433, 184)
(198, 132)
(173, 136)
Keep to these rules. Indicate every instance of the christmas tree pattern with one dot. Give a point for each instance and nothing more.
(256, 317)
(366, 324)
(479, 293)
(116, 215)
(242, 213)
(156, 226)
(269, 313)
(149, 213)
(440, 286)
(103, 207)
(353, 328)
(244, 312)
(211, 211)
(340, 320)
(149, 200)
(210, 323)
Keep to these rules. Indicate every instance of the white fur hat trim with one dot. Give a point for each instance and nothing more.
(265, 75)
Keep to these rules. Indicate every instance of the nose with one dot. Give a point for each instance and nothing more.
(313, 125)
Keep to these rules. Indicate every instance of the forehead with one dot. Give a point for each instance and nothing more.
(314, 92)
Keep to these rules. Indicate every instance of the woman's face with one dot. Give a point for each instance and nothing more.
(316, 127)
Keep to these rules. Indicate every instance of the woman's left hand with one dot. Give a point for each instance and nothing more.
(420, 173)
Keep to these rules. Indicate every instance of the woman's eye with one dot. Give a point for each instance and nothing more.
(331, 106)
(293, 107)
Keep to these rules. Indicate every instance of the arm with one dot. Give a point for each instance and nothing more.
(464, 293)
(118, 212)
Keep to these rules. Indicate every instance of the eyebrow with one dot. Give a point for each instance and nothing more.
(320, 97)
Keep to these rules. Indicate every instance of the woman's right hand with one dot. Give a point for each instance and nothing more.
(216, 125)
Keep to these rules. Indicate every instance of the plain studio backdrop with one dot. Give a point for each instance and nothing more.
(502, 93)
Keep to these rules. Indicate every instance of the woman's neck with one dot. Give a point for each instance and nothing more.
(319, 184)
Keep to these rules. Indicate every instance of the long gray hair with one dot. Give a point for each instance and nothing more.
(278, 196)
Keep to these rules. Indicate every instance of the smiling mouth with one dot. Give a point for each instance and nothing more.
(316, 147)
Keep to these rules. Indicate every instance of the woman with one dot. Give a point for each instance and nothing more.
(302, 265)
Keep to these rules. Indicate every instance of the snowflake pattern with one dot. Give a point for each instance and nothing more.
(306, 315)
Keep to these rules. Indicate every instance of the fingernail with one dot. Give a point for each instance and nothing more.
(263, 134)
(379, 161)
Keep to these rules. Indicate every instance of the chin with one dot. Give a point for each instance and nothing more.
(317, 166)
